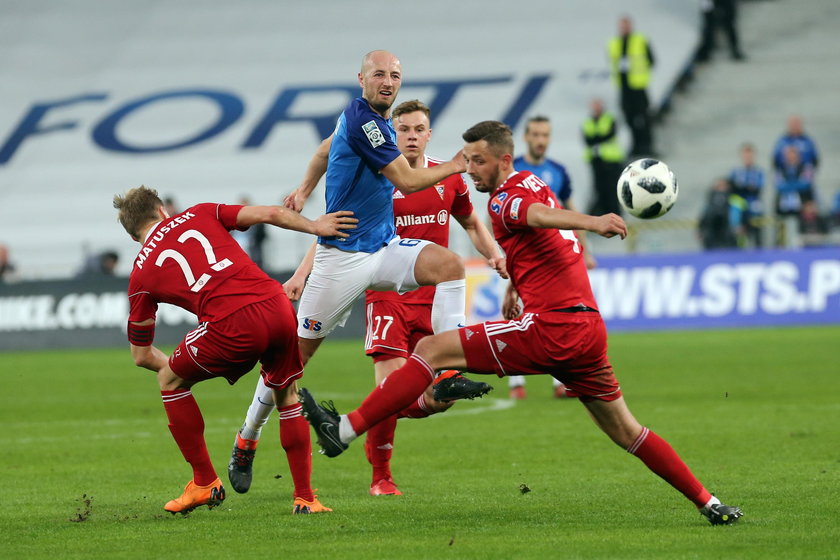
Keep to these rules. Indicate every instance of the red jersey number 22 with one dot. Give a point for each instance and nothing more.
(195, 285)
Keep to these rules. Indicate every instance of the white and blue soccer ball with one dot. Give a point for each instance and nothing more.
(647, 189)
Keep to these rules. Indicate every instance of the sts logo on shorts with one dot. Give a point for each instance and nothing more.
(311, 325)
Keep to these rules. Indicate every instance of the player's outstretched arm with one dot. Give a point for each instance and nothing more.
(328, 225)
(294, 285)
(483, 242)
(314, 171)
(408, 179)
(588, 257)
(608, 225)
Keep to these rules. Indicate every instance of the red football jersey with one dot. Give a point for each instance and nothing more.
(545, 265)
(425, 215)
(191, 260)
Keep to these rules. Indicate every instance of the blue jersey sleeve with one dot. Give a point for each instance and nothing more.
(563, 189)
(370, 136)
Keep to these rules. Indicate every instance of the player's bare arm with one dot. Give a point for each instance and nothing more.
(608, 225)
(483, 242)
(408, 179)
(148, 357)
(294, 285)
(314, 171)
(328, 225)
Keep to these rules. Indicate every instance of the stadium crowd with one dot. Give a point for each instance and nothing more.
(737, 210)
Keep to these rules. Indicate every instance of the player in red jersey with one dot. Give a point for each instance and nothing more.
(560, 333)
(396, 322)
(191, 260)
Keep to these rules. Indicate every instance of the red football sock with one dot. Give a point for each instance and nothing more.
(379, 446)
(661, 458)
(417, 409)
(187, 427)
(295, 439)
(395, 393)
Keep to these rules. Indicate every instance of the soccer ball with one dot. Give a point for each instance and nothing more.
(647, 188)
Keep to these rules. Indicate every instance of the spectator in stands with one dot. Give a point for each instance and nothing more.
(795, 136)
(794, 182)
(170, 206)
(719, 14)
(813, 227)
(716, 222)
(253, 239)
(747, 182)
(7, 269)
(631, 60)
(100, 265)
(835, 210)
(605, 157)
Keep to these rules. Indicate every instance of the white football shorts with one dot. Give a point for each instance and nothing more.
(339, 277)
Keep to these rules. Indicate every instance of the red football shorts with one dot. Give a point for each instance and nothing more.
(571, 347)
(264, 332)
(393, 328)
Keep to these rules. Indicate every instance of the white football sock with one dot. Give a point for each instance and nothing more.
(345, 430)
(712, 502)
(516, 380)
(448, 307)
(259, 411)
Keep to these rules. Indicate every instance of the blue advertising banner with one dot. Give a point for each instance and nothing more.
(698, 290)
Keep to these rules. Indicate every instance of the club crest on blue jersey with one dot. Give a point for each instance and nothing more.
(374, 135)
(496, 202)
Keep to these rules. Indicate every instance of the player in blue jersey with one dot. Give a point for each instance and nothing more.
(537, 137)
(363, 166)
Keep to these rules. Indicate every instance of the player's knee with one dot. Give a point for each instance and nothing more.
(450, 267)
(169, 381)
(425, 349)
(286, 396)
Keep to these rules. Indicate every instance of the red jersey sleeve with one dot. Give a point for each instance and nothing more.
(461, 205)
(226, 214)
(141, 305)
(514, 209)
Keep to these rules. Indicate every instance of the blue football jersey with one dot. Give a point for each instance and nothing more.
(552, 173)
(363, 143)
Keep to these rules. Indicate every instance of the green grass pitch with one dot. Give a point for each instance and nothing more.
(88, 462)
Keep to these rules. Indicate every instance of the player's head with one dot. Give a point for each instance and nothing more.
(380, 78)
(596, 106)
(139, 207)
(537, 136)
(414, 129)
(747, 153)
(488, 150)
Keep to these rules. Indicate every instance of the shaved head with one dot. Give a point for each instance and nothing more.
(370, 59)
(380, 78)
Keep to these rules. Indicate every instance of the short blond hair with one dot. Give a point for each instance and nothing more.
(411, 106)
(137, 207)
